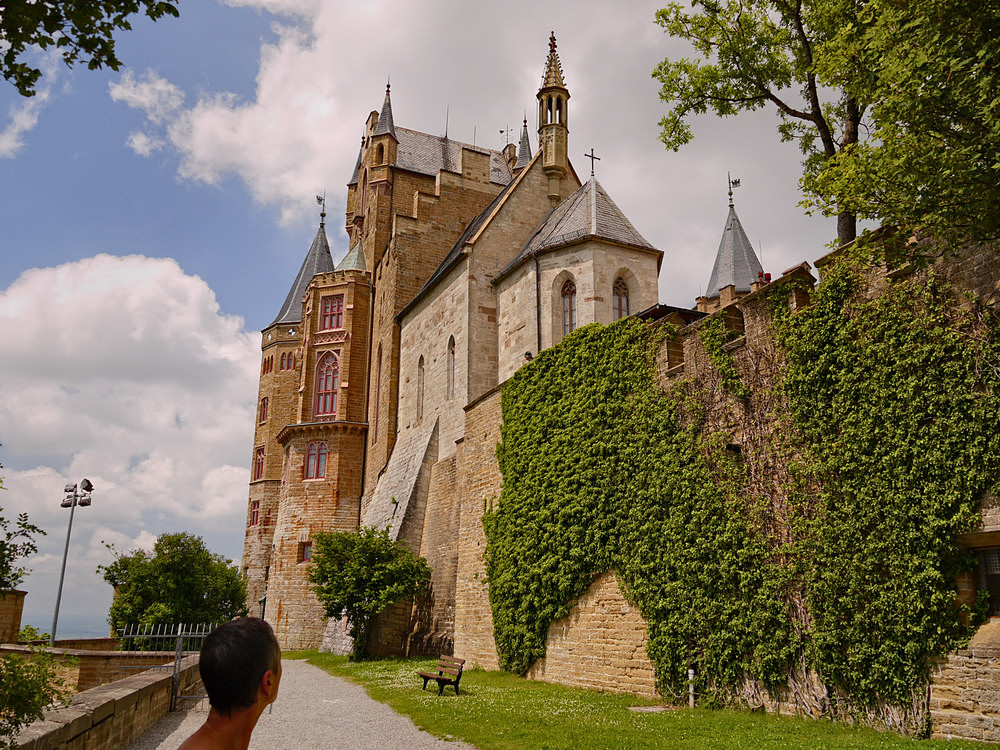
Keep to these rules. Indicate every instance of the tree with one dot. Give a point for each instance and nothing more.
(360, 574)
(28, 685)
(893, 102)
(789, 54)
(15, 544)
(81, 29)
(181, 581)
(931, 162)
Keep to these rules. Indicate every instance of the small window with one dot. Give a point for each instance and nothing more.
(283, 357)
(569, 307)
(305, 551)
(379, 154)
(263, 410)
(420, 388)
(327, 384)
(332, 312)
(451, 367)
(378, 392)
(315, 461)
(254, 512)
(258, 463)
(619, 298)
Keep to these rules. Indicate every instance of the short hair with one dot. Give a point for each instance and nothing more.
(234, 658)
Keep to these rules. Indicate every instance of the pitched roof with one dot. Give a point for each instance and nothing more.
(427, 154)
(354, 260)
(589, 213)
(357, 165)
(318, 260)
(385, 125)
(735, 263)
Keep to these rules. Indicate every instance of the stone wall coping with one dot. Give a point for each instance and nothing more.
(21, 648)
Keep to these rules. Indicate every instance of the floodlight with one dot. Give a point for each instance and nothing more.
(86, 485)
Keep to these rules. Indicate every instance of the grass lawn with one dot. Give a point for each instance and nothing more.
(497, 710)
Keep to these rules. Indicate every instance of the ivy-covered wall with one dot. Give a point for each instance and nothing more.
(783, 514)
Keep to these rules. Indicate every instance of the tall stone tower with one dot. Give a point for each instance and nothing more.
(553, 122)
(311, 447)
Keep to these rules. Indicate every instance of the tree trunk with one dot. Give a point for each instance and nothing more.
(847, 228)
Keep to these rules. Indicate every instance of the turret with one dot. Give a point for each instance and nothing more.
(553, 122)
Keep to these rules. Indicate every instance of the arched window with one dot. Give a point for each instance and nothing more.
(420, 387)
(451, 367)
(619, 296)
(284, 359)
(548, 107)
(364, 193)
(569, 307)
(559, 107)
(315, 467)
(327, 384)
(378, 394)
(379, 154)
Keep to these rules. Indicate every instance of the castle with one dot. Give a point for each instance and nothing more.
(464, 263)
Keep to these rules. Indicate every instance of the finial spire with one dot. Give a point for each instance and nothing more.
(385, 124)
(553, 68)
(321, 200)
(524, 147)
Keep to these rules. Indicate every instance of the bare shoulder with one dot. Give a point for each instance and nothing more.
(203, 739)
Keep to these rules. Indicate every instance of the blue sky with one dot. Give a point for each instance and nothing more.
(153, 219)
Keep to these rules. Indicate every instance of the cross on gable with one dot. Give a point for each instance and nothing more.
(592, 160)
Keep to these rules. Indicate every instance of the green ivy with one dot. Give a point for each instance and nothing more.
(887, 406)
(715, 334)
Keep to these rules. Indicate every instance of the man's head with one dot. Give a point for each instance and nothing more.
(234, 660)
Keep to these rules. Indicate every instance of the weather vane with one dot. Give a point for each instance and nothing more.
(505, 132)
(321, 200)
(734, 182)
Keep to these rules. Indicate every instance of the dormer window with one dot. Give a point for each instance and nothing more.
(332, 312)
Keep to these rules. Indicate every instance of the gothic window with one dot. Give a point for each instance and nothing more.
(333, 312)
(569, 307)
(254, 512)
(315, 461)
(619, 296)
(284, 361)
(559, 110)
(451, 367)
(327, 384)
(263, 410)
(378, 394)
(379, 154)
(420, 388)
(291, 361)
(258, 463)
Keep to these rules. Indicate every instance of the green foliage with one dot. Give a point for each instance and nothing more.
(15, 544)
(599, 474)
(930, 162)
(28, 685)
(885, 420)
(80, 29)
(31, 633)
(715, 335)
(181, 581)
(896, 401)
(359, 574)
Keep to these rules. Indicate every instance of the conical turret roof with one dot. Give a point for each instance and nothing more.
(318, 260)
(385, 125)
(357, 165)
(735, 263)
(354, 260)
(524, 149)
(553, 75)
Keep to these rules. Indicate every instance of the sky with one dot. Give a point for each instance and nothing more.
(152, 221)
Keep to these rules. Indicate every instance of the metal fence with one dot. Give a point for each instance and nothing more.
(161, 647)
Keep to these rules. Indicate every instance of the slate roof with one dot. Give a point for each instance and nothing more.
(427, 154)
(589, 213)
(524, 149)
(735, 263)
(357, 165)
(354, 260)
(318, 260)
(385, 125)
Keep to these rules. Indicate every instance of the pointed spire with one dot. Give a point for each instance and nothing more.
(317, 260)
(354, 260)
(553, 69)
(357, 165)
(385, 125)
(524, 149)
(736, 263)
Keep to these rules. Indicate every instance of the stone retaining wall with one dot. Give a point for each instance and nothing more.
(965, 689)
(111, 715)
(88, 668)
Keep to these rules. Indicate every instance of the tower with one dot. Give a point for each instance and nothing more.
(736, 267)
(553, 122)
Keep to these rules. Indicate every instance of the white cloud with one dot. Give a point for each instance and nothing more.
(144, 144)
(124, 371)
(153, 94)
(23, 114)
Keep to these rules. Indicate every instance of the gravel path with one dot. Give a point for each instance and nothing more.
(314, 710)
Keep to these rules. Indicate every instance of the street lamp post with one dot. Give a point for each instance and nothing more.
(73, 498)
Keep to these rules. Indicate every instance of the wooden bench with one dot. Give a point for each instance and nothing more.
(449, 672)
